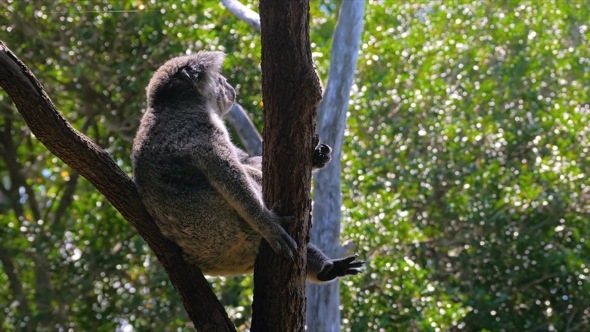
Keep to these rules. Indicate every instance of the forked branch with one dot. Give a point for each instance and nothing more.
(94, 163)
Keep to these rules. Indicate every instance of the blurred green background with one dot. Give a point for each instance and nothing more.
(465, 169)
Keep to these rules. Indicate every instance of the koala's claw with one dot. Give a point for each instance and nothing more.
(341, 267)
(284, 221)
(322, 155)
(283, 244)
(279, 240)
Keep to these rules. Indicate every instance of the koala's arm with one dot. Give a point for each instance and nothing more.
(253, 166)
(255, 162)
(236, 183)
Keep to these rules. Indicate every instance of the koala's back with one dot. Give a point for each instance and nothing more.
(187, 209)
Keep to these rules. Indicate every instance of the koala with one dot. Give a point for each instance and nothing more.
(205, 193)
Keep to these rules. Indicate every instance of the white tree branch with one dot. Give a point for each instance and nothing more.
(249, 135)
(243, 13)
(323, 313)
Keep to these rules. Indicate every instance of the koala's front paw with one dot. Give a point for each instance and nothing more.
(282, 243)
(279, 240)
(321, 155)
(341, 267)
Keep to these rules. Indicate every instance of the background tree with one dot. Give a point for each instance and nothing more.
(323, 313)
(469, 157)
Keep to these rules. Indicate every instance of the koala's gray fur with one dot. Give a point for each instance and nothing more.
(205, 193)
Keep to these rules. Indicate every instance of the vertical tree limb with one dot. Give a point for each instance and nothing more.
(291, 92)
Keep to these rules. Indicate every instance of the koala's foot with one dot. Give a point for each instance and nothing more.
(322, 154)
(341, 267)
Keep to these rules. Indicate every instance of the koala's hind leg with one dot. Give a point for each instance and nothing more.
(321, 268)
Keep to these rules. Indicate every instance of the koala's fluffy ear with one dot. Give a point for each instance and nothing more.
(211, 61)
(194, 68)
(197, 66)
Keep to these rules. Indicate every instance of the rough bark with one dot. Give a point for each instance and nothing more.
(94, 163)
(291, 92)
(323, 313)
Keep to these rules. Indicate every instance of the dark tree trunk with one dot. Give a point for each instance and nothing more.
(94, 163)
(291, 93)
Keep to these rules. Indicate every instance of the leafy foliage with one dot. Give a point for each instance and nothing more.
(468, 162)
(465, 169)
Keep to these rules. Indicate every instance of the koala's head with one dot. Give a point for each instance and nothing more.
(195, 78)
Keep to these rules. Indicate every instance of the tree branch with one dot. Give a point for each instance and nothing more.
(243, 13)
(94, 163)
(69, 189)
